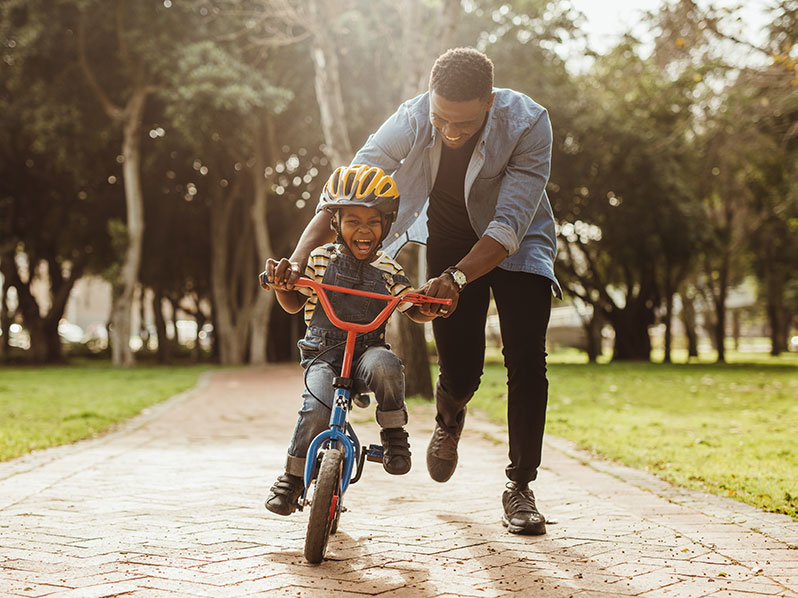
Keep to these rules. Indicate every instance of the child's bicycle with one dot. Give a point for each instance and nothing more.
(336, 452)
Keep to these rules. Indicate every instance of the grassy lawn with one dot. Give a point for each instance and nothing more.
(41, 407)
(727, 429)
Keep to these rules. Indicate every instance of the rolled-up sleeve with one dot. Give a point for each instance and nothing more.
(523, 184)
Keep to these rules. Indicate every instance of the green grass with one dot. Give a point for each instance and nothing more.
(42, 407)
(727, 429)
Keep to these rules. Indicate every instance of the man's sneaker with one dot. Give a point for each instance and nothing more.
(285, 493)
(521, 516)
(396, 458)
(442, 454)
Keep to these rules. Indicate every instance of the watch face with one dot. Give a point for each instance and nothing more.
(459, 278)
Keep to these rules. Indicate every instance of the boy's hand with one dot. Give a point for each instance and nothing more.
(283, 274)
(442, 287)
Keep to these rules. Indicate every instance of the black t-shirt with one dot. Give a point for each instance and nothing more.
(447, 218)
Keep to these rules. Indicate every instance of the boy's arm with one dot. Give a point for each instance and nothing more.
(290, 301)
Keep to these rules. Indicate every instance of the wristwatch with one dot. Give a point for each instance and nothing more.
(458, 277)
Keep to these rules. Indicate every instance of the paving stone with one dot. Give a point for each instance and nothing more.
(170, 504)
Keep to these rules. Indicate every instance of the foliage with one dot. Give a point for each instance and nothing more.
(673, 169)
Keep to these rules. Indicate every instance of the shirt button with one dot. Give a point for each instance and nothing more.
(382, 335)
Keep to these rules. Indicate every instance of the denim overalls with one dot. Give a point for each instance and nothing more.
(374, 365)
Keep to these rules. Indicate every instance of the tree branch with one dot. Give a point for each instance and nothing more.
(111, 109)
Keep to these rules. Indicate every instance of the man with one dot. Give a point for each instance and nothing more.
(472, 164)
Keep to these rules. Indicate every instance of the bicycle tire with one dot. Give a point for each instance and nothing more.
(334, 527)
(324, 507)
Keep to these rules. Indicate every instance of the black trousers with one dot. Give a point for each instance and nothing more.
(523, 302)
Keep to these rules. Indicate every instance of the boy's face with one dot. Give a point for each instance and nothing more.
(361, 230)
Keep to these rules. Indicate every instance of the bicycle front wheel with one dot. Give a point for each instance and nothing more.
(324, 508)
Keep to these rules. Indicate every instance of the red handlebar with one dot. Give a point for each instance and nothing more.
(321, 288)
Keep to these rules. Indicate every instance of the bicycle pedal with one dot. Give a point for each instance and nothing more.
(375, 453)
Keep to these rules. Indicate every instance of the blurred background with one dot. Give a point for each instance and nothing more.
(154, 153)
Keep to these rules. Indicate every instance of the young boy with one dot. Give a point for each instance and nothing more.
(363, 202)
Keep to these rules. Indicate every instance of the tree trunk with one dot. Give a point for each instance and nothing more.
(263, 304)
(407, 337)
(632, 341)
(688, 320)
(324, 53)
(144, 333)
(43, 329)
(121, 310)
(447, 25)
(407, 341)
(593, 326)
(413, 64)
(5, 318)
(200, 318)
(164, 346)
(233, 284)
(720, 312)
(778, 318)
(668, 326)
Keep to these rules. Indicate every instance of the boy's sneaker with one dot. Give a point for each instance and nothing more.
(396, 458)
(285, 493)
(521, 516)
(442, 454)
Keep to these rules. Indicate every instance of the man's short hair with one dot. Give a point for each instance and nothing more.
(462, 74)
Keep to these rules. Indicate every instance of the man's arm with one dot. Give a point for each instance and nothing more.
(523, 185)
(485, 255)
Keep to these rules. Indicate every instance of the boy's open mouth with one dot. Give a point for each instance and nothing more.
(363, 245)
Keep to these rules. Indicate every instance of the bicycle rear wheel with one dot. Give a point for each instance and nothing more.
(324, 508)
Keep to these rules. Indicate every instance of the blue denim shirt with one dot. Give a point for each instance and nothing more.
(505, 184)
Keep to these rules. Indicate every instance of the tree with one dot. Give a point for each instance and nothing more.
(54, 201)
(139, 38)
(772, 175)
(226, 108)
(624, 214)
(738, 173)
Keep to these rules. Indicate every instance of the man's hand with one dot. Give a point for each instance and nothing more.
(283, 274)
(442, 287)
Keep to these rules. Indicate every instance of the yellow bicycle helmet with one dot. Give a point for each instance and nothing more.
(362, 185)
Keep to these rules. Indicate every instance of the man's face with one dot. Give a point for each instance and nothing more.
(457, 122)
(361, 230)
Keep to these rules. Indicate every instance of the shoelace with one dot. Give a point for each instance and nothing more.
(522, 501)
(444, 445)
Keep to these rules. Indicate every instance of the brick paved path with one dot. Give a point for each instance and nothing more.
(171, 505)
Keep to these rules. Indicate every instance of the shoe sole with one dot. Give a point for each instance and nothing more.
(393, 471)
(277, 511)
(447, 476)
(537, 529)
